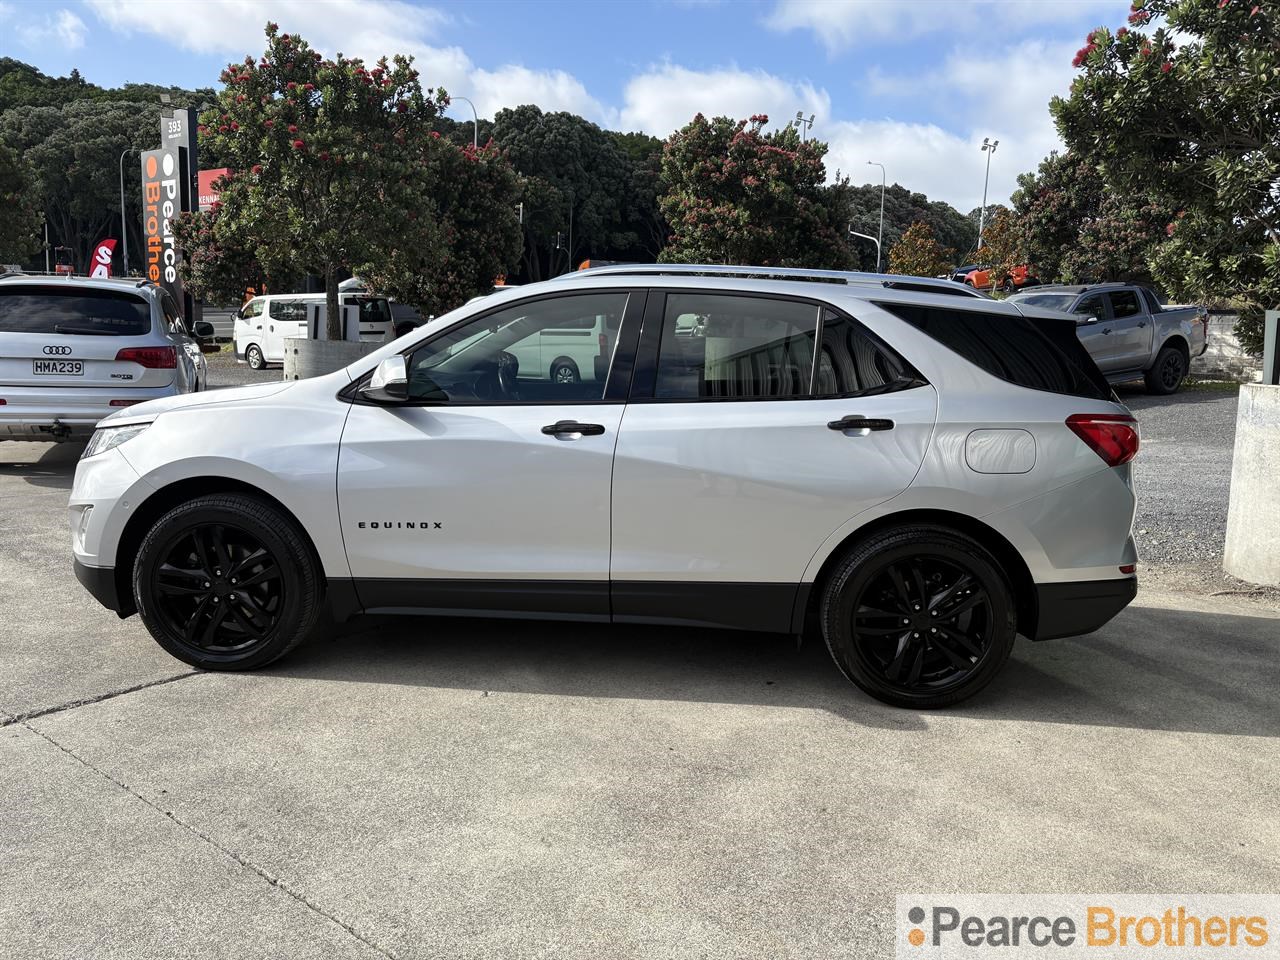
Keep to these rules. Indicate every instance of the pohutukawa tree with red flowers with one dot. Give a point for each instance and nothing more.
(1179, 106)
(328, 158)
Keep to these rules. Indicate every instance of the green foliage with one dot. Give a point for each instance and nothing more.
(902, 209)
(735, 194)
(329, 155)
(1180, 106)
(917, 253)
(19, 213)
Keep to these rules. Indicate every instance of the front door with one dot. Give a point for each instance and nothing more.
(742, 455)
(489, 491)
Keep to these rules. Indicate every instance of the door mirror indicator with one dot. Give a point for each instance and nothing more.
(389, 383)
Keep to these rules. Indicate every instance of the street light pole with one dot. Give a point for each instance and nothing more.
(475, 122)
(867, 236)
(124, 224)
(989, 148)
(872, 163)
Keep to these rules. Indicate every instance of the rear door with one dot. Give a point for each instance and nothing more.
(1130, 329)
(742, 449)
(285, 318)
(55, 335)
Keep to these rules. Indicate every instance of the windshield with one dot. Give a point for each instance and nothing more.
(1050, 301)
(372, 309)
(54, 310)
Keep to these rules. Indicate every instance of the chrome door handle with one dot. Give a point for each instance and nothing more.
(566, 427)
(855, 422)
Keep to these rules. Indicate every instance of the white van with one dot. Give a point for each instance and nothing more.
(574, 350)
(264, 323)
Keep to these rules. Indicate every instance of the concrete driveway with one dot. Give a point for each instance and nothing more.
(449, 788)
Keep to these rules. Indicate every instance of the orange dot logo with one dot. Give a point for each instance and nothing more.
(916, 936)
(151, 167)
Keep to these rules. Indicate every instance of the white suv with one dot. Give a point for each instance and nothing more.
(75, 350)
(921, 473)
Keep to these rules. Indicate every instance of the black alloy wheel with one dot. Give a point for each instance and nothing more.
(226, 582)
(919, 617)
(1168, 372)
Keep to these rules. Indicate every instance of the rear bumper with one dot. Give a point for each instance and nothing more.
(1071, 609)
(101, 583)
(70, 414)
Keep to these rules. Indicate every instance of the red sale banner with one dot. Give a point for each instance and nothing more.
(102, 254)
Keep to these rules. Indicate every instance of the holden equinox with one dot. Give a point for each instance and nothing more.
(917, 474)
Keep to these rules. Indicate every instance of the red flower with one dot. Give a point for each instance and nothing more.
(435, 134)
(268, 124)
(1166, 67)
(299, 145)
(401, 106)
(234, 125)
(223, 128)
(256, 169)
(324, 154)
(291, 85)
(1146, 50)
(308, 86)
(1169, 230)
(293, 128)
(1222, 3)
(1139, 17)
(240, 98)
(1122, 31)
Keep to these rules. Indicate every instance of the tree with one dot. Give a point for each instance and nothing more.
(917, 253)
(1003, 245)
(19, 212)
(465, 236)
(1180, 105)
(735, 194)
(327, 152)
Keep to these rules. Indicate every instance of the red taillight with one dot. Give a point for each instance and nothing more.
(1129, 568)
(123, 403)
(1112, 436)
(3, 401)
(153, 358)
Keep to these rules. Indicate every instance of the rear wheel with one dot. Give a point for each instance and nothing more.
(255, 358)
(565, 371)
(226, 582)
(1008, 286)
(1168, 372)
(919, 616)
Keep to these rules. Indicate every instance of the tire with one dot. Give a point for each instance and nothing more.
(192, 614)
(952, 655)
(1168, 372)
(253, 354)
(565, 371)
(1008, 286)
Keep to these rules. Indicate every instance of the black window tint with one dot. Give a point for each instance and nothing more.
(1153, 305)
(1091, 306)
(50, 310)
(521, 354)
(725, 346)
(1124, 303)
(851, 361)
(1040, 353)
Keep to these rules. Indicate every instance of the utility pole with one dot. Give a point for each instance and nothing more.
(989, 148)
(880, 239)
(124, 223)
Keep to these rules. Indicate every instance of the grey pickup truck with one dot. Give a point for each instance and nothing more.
(1129, 333)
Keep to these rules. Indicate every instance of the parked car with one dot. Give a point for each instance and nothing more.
(984, 278)
(75, 349)
(961, 273)
(1128, 332)
(264, 323)
(901, 466)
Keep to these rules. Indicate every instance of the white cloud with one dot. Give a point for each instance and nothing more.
(62, 28)
(839, 24)
(368, 29)
(666, 97)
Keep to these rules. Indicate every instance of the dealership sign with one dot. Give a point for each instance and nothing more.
(161, 202)
(207, 190)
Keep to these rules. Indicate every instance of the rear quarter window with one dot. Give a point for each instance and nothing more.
(55, 311)
(1040, 353)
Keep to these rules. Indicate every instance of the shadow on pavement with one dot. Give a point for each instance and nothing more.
(41, 464)
(1151, 668)
(1137, 399)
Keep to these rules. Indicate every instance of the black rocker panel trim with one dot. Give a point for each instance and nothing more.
(765, 607)
(534, 599)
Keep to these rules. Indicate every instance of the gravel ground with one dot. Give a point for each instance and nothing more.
(224, 371)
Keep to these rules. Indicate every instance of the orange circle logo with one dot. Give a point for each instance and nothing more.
(151, 167)
(916, 937)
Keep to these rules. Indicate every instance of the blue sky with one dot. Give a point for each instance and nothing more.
(914, 84)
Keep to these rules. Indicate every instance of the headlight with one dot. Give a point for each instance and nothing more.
(105, 438)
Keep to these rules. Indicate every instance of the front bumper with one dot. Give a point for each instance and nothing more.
(1074, 608)
(101, 583)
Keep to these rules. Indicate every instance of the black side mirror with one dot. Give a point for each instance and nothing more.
(203, 329)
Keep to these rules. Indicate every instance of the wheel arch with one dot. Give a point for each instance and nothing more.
(1180, 342)
(564, 358)
(1011, 561)
(165, 499)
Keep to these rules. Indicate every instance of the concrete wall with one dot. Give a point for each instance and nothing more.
(1225, 359)
(1253, 515)
(304, 357)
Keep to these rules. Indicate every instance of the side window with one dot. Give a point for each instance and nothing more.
(1091, 306)
(852, 362)
(1012, 347)
(720, 346)
(252, 309)
(1124, 303)
(1153, 305)
(288, 310)
(172, 319)
(519, 355)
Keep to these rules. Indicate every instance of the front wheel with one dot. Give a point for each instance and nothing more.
(1168, 372)
(919, 616)
(565, 371)
(226, 582)
(255, 358)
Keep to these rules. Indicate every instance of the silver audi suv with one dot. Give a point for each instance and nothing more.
(916, 473)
